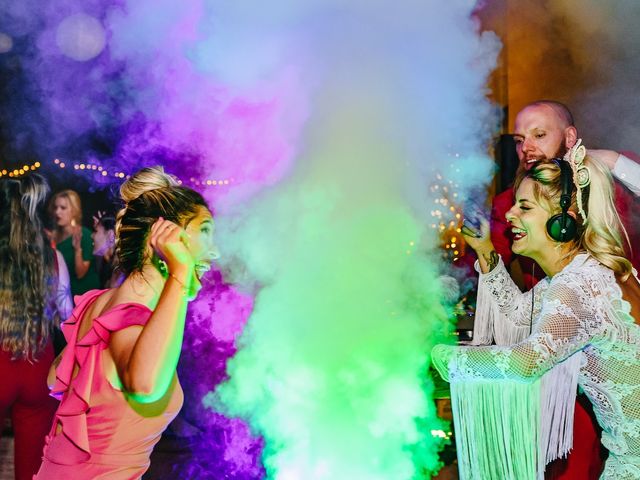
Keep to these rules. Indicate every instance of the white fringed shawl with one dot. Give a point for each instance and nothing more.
(506, 429)
(509, 430)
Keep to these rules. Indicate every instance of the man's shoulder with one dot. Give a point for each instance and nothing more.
(503, 200)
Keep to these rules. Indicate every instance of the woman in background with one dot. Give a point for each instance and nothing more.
(73, 241)
(34, 298)
(104, 243)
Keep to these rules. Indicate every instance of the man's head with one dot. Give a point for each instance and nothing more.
(543, 130)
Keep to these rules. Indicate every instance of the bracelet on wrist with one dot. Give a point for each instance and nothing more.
(183, 287)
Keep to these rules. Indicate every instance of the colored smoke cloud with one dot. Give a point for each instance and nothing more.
(332, 365)
(582, 53)
(154, 94)
(329, 119)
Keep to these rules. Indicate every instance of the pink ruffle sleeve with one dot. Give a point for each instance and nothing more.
(75, 392)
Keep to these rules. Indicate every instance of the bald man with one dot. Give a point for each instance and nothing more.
(545, 130)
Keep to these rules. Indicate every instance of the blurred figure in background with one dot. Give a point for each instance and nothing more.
(73, 241)
(104, 242)
(34, 299)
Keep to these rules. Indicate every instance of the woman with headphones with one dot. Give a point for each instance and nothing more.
(513, 406)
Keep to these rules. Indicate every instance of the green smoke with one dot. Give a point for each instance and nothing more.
(332, 365)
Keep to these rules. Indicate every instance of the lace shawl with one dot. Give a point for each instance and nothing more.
(513, 406)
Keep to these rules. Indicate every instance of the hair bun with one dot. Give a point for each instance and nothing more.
(145, 180)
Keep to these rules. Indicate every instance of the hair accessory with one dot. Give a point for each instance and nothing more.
(575, 156)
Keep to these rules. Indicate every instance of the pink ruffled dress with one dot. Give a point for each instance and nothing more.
(99, 433)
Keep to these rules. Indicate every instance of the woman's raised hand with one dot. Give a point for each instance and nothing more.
(479, 240)
(170, 242)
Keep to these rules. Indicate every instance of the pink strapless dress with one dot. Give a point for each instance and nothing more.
(103, 434)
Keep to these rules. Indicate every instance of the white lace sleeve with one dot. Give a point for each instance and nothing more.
(529, 399)
(503, 312)
(569, 319)
(628, 172)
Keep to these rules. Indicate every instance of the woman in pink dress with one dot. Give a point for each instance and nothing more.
(117, 376)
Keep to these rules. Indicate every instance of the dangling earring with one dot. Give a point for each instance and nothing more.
(162, 266)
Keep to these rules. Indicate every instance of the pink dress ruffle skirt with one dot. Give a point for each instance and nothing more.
(98, 432)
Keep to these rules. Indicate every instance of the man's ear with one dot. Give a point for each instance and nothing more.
(570, 136)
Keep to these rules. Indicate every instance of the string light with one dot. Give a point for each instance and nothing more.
(18, 172)
(101, 171)
(447, 221)
(447, 214)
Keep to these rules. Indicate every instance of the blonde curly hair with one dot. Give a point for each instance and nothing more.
(603, 235)
(28, 274)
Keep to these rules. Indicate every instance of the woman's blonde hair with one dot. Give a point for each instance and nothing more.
(75, 204)
(603, 235)
(28, 273)
(147, 195)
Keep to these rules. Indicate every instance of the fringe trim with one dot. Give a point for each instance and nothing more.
(509, 430)
(486, 311)
(491, 324)
(559, 389)
(495, 427)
